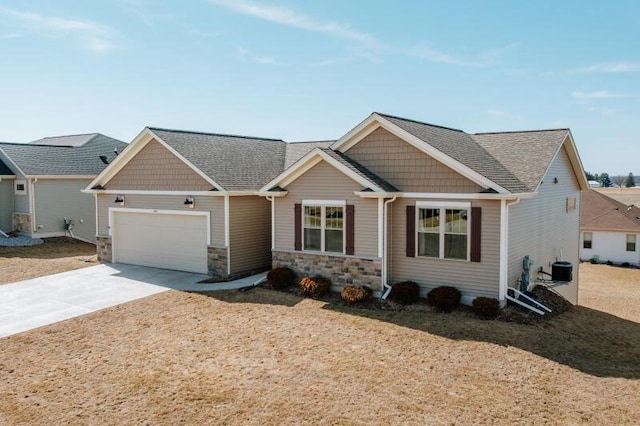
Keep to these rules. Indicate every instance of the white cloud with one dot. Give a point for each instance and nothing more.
(610, 67)
(265, 60)
(600, 94)
(95, 36)
(371, 46)
(503, 114)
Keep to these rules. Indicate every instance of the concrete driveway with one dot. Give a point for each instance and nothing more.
(34, 303)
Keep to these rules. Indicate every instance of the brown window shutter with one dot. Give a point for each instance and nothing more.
(476, 232)
(297, 244)
(350, 229)
(411, 231)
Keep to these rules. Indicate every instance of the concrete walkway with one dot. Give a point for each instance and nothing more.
(34, 303)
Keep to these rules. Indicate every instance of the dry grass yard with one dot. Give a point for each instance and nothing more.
(262, 357)
(55, 255)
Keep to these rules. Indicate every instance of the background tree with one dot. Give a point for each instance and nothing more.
(605, 180)
(589, 176)
(618, 180)
(630, 182)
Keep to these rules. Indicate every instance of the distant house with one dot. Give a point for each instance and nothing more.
(594, 184)
(610, 230)
(41, 183)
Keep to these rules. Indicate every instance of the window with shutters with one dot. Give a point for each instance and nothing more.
(443, 231)
(323, 226)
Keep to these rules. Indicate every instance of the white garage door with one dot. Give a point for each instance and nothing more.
(168, 241)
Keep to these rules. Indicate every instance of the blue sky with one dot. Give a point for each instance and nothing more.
(312, 70)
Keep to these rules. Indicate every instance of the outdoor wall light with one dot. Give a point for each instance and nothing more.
(555, 180)
(189, 202)
(119, 200)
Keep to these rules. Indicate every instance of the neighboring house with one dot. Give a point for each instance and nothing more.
(187, 201)
(610, 229)
(396, 199)
(41, 183)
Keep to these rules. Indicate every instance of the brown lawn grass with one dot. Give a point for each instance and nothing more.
(55, 255)
(263, 357)
(611, 289)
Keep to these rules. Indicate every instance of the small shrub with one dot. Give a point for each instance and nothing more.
(593, 261)
(486, 307)
(405, 293)
(444, 298)
(281, 278)
(610, 263)
(315, 286)
(625, 264)
(352, 294)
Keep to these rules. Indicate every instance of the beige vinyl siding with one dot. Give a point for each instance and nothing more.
(56, 199)
(323, 182)
(471, 278)
(6, 204)
(215, 205)
(156, 168)
(406, 167)
(249, 233)
(542, 228)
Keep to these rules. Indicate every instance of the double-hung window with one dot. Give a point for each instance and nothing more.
(587, 240)
(631, 242)
(324, 227)
(443, 230)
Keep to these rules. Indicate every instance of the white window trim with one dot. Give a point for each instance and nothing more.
(15, 187)
(635, 243)
(323, 204)
(443, 206)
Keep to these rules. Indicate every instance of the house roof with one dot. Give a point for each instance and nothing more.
(69, 140)
(525, 155)
(297, 150)
(360, 170)
(601, 213)
(237, 163)
(55, 160)
(474, 151)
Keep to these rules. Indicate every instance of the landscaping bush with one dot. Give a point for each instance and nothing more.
(610, 263)
(352, 294)
(281, 278)
(315, 286)
(405, 293)
(625, 264)
(486, 307)
(593, 261)
(444, 298)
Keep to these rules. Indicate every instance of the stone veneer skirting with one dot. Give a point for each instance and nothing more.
(21, 222)
(217, 261)
(341, 270)
(103, 247)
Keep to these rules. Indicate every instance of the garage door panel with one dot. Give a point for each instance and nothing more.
(169, 241)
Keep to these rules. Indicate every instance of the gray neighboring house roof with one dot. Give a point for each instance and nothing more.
(526, 155)
(53, 160)
(237, 163)
(69, 140)
(463, 148)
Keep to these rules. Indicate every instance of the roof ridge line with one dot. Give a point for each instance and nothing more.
(36, 144)
(419, 122)
(66, 136)
(521, 131)
(193, 132)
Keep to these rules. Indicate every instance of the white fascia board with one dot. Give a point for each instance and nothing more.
(277, 194)
(370, 194)
(465, 196)
(443, 204)
(141, 192)
(7, 176)
(307, 162)
(338, 203)
(374, 121)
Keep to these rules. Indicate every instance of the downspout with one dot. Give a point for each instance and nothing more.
(227, 237)
(32, 204)
(504, 246)
(273, 221)
(385, 250)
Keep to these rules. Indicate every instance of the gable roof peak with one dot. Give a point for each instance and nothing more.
(418, 122)
(193, 132)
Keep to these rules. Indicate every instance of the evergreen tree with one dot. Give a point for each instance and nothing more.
(589, 176)
(630, 182)
(605, 180)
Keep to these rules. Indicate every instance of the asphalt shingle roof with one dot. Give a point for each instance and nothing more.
(70, 140)
(236, 163)
(599, 212)
(463, 148)
(527, 155)
(41, 160)
(361, 170)
(297, 150)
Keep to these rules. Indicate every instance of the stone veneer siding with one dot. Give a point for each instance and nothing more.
(103, 246)
(217, 261)
(22, 222)
(341, 269)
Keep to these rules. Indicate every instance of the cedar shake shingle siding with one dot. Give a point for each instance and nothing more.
(156, 168)
(406, 167)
